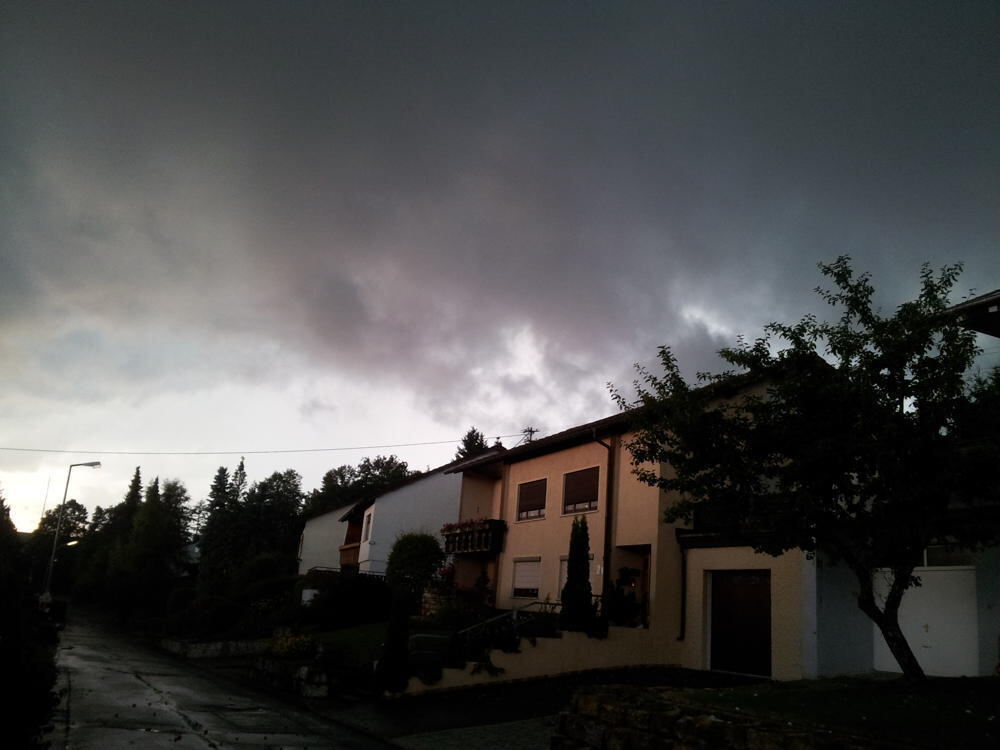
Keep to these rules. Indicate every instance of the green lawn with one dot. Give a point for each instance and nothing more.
(940, 713)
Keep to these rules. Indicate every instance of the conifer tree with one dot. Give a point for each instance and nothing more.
(577, 598)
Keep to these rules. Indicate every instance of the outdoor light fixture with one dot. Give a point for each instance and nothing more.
(47, 595)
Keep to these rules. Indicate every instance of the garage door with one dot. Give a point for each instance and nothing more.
(939, 620)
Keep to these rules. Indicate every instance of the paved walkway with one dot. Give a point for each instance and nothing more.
(118, 694)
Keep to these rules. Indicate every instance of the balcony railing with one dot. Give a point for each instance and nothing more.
(475, 537)
(349, 554)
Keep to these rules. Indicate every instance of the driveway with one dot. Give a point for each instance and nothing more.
(120, 694)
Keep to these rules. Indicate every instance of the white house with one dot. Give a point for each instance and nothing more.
(422, 505)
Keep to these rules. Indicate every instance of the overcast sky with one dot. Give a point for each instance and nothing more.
(288, 225)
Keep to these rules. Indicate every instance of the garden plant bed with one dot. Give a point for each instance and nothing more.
(939, 713)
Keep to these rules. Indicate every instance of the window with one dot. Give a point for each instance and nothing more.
(527, 574)
(580, 490)
(531, 500)
(368, 526)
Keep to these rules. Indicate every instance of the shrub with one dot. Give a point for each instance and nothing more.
(413, 561)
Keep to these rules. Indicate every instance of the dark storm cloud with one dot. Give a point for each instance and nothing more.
(397, 191)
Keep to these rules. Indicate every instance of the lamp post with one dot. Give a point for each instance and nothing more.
(47, 596)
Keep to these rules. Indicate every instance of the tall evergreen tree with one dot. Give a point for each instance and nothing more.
(154, 550)
(217, 545)
(473, 444)
(577, 597)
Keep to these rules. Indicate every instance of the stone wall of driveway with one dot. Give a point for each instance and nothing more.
(215, 649)
(622, 717)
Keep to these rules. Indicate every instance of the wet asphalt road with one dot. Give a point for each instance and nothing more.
(119, 694)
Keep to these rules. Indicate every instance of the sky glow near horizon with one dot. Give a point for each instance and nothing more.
(246, 225)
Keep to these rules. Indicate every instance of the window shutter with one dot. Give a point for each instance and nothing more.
(531, 499)
(580, 490)
(527, 576)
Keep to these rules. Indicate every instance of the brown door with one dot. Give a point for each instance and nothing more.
(741, 621)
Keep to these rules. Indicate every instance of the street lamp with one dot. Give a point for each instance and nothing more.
(47, 596)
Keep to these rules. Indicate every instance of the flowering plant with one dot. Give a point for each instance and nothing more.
(469, 523)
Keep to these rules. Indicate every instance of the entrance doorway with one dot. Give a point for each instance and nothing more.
(740, 621)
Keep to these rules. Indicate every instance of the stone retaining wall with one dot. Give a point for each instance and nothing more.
(215, 649)
(621, 717)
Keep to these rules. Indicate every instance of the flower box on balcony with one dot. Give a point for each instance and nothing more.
(481, 536)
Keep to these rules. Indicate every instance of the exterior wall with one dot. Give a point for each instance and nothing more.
(423, 506)
(321, 540)
(480, 498)
(790, 645)
(939, 620)
(573, 652)
(548, 538)
(844, 632)
(636, 513)
(988, 601)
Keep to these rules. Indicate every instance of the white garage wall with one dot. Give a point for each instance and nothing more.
(940, 621)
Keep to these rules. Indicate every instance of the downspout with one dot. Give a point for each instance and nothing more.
(684, 593)
(501, 514)
(608, 497)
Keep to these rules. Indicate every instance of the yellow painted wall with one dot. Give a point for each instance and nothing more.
(548, 538)
(786, 606)
(480, 497)
(574, 652)
(636, 512)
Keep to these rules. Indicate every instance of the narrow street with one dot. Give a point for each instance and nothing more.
(119, 694)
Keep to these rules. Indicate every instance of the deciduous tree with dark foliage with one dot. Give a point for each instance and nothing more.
(863, 438)
(348, 484)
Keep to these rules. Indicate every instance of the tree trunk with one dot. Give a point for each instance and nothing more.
(887, 618)
(899, 646)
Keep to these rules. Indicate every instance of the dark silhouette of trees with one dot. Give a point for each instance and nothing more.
(130, 556)
(347, 485)
(39, 545)
(27, 645)
(218, 543)
(861, 438)
(153, 554)
(244, 526)
(473, 444)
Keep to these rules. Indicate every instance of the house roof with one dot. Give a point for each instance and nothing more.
(616, 424)
(448, 468)
(980, 313)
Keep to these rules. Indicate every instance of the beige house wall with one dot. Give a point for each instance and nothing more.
(573, 652)
(480, 498)
(791, 641)
(548, 538)
(636, 512)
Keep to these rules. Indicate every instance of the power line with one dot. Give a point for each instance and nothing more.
(241, 453)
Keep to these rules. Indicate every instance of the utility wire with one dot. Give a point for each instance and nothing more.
(243, 453)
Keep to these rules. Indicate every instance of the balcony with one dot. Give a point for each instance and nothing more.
(480, 537)
(349, 554)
